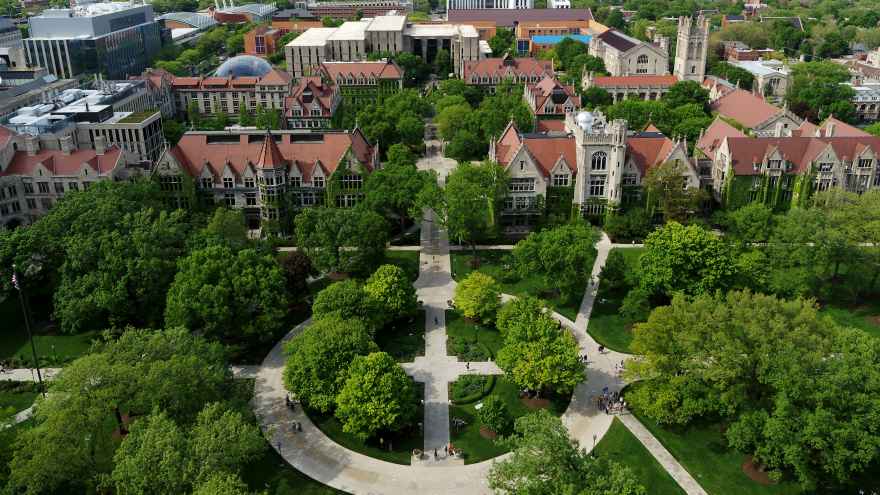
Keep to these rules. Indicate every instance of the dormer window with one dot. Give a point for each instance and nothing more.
(206, 183)
(826, 167)
(228, 183)
(774, 164)
(318, 182)
(865, 163)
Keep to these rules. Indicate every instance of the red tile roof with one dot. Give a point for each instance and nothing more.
(744, 107)
(379, 70)
(714, 135)
(61, 164)
(545, 150)
(800, 151)
(506, 67)
(271, 78)
(194, 152)
(648, 149)
(548, 125)
(643, 80)
(307, 91)
(547, 87)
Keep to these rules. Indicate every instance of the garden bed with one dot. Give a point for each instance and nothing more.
(471, 341)
(473, 440)
(498, 265)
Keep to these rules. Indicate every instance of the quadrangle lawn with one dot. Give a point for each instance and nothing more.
(494, 263)
(606, 325)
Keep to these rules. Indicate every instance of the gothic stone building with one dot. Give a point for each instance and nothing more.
(270, 175)
(592, 164)
(785, 171)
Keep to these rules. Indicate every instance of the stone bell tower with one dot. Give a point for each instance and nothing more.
(691, 49)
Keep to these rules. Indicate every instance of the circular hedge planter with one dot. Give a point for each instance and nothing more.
(471, 396)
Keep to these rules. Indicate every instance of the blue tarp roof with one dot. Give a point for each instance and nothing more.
(552, 39)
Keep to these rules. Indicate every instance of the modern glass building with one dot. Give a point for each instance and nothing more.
(115, 39)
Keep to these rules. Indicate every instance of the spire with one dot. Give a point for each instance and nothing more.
(270, 156)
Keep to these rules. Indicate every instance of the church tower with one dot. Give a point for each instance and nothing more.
(691, 49)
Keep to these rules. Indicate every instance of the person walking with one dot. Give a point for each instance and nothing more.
(467, 366)
(435, 454)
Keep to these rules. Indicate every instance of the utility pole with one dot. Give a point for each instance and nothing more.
(27, 325)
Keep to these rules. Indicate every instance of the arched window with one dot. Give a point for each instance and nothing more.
(643, 59)
(599, 160)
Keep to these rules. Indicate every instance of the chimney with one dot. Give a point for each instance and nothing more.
(31, 144)
(100, 145)
(65, 143)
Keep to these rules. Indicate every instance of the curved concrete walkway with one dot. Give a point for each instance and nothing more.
(319, 457)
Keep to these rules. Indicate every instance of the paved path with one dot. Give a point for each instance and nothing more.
(669, 463)
(28, 374)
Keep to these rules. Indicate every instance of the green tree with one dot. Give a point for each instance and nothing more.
(665, 186)
(443, 63)
(451, 116)
(465, 145)
(344, 300)
(614, 272)
(398, 154)
(235, 44)
(563, 256)
(227, 295)
(740, 77)
(245, 119)
(767, 368)
(544, 460)
(471, 201)
(221, 484)
(503, 42)
(594, 97)
(222, 441)
(816, 91)
(120, 276)
(873, 129)
(633, 224)
(751, 223)
(193, 115)
(495, 415)
(478, 297)
(296, 268)
(227, 226)
(342, 239)
(540, 355)
(393, 189)
(172, 131)
(155, 441)
(686, 92)
(517, 310)
(319, 357)
(390, 293)
(70, 445)
(415, 70)
(636, 306)
(688, 259)
(377, 396)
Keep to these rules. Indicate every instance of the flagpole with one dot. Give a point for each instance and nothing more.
(27, 325)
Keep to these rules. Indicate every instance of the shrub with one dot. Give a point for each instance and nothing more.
(471, 388)
(495, 415)
(636, 305)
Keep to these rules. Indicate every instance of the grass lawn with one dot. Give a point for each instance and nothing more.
(273, 475)
(404, 339)
(470, 341)
(606, 325)
(16, 397)
(402, 443)
(865, 317)
(621, 446)
(476, 448)
(408, 260)
(703, 451)
(492, 263)
(52, 348)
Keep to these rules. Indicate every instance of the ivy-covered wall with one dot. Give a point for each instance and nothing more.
(739, 190)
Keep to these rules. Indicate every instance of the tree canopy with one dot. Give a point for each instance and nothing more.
(563, 256)
(546, 461)
(688, 259)
(319, 357)
(342, 239)
(797, 390)
(816, 91)
(227, 295)
(377, 396)
(478, 297)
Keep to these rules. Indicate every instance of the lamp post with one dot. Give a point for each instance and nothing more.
(27, 325)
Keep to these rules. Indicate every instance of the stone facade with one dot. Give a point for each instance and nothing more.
(691, 49)
(624, 55)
